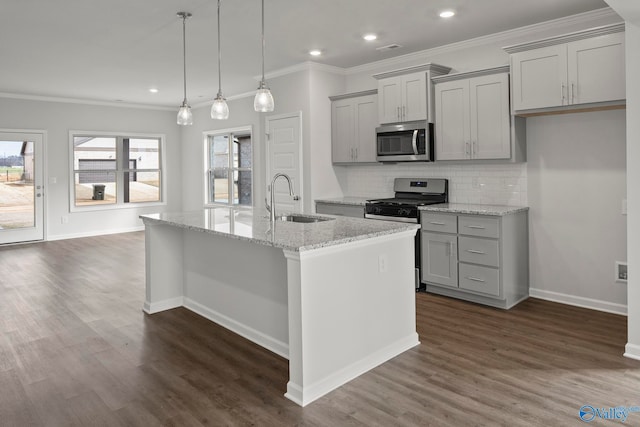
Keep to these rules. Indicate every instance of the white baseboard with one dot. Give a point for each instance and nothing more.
(168, 304)
(278, 347)
(307, 394)
(632, 351)
(95, 233)
(577, 301)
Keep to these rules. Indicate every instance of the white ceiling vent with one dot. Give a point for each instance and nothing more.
(388, 47)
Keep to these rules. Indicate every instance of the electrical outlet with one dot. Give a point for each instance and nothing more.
(621, 271)
(382, 263)
(64, 219)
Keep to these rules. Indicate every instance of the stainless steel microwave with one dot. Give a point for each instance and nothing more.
(405, 142)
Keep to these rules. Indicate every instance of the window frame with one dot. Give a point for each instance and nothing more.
(208, 136)
(119, 171)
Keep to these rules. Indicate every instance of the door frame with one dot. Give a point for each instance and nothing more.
(43, 163)
(268, 173)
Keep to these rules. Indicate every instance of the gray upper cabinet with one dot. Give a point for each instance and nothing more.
(570, 71)
(473, 118)
(354, 118)
(407, 95)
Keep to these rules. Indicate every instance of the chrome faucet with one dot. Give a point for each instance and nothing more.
(272, 207)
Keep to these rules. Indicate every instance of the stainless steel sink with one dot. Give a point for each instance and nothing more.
(302, 218)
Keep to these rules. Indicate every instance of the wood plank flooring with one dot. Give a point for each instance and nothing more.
(77, 350)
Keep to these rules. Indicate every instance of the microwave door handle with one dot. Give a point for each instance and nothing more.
(414, 142)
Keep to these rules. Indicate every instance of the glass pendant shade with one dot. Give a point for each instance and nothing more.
(219, 108)
(185, 118)
(263, 102)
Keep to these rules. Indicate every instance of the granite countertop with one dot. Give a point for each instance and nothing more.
(474, 209)
(245, 224)
(354, 200)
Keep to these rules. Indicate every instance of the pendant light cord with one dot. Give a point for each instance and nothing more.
(184, 54)
(262, 84)
(219, 55)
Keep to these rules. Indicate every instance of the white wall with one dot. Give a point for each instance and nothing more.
(57, 118)
(576, 184)
(633, 187)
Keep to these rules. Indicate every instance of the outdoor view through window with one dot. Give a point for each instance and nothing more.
(111, 170)
(16, 184)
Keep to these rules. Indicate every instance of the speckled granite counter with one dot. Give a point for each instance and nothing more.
(473, 209)
(310, 292)
(251, 226)
(353, 201)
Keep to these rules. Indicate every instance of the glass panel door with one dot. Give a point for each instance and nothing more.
(21, 189)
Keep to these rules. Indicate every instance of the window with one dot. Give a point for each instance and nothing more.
(229, 163)
(115, 171)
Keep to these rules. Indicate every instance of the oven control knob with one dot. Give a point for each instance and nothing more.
(377, 210)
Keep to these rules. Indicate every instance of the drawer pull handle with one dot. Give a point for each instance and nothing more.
(436, 223)
(475, 227)
(475, 279)
(473, 251)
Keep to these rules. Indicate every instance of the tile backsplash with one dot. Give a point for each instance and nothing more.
(503, 184)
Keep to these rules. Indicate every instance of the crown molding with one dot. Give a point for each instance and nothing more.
(471, 74)
(567, 38)
(83, 101)
(585, 18)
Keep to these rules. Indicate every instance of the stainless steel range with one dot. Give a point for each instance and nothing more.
(410, 194)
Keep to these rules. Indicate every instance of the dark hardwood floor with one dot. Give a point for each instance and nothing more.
(76, 349)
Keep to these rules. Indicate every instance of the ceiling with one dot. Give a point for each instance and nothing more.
(117, 50)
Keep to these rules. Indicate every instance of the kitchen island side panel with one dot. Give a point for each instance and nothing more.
(352, 308)
(239, 285)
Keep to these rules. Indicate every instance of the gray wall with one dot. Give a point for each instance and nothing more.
(57, 119)
(576, 184)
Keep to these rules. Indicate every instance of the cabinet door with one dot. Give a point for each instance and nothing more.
(539, 78)
(414, 97)
(490, 117)
(452, 120)
(389, 99)
(366, 120)
(596, 69)
(342, 131)
(439, 259)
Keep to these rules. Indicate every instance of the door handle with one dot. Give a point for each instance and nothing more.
(414, 141)
(398, 113)
(573, 94)
(475, 279)
(474, 251)
(466, 148)
(562, 94)
(403, 113)
(475, 227)
(436, 223)
(475, 147)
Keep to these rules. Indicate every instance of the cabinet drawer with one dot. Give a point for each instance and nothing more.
(479, 279)
(479, 226)
(340, 209)
(443, 223)
(479, 251)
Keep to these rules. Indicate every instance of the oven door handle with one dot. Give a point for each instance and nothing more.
(414, 142)
(392, 218)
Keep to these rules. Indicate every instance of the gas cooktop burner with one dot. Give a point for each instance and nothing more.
(409, 202)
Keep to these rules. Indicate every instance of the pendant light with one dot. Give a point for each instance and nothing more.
(219, 109)
(185, 117)
(263, 102)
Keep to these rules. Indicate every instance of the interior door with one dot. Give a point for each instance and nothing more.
(21, 187)
(284, 156)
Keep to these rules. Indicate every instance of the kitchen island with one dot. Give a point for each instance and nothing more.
(335, 297)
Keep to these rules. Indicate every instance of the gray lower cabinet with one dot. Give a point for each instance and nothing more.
(479, 258)
(340, 209)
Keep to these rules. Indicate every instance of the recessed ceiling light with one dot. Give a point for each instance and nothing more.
(315, 52)
(447, 13)
(369, 37)
(153, 90)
